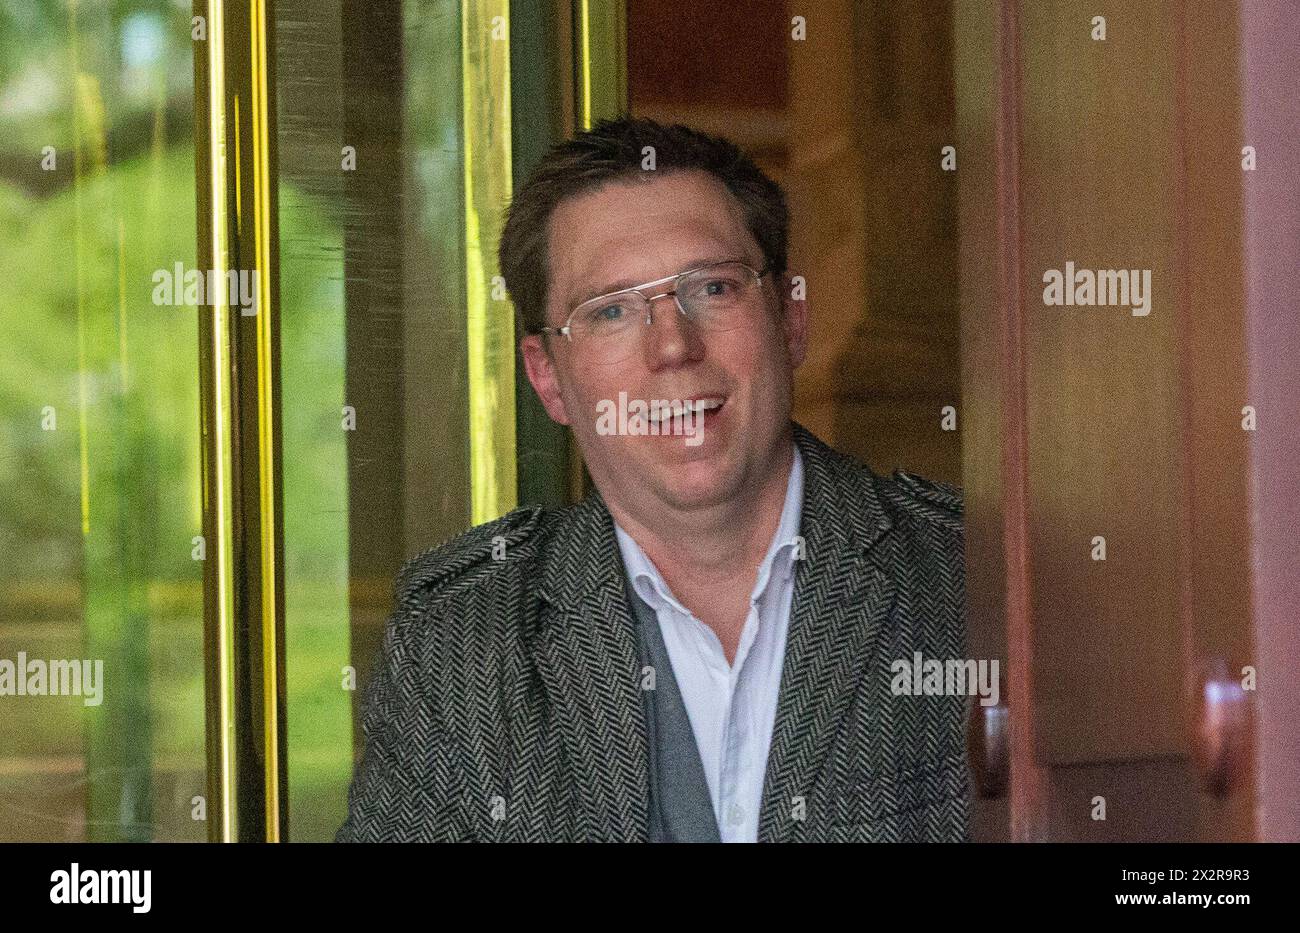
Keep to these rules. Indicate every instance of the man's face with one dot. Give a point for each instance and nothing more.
(628, 233)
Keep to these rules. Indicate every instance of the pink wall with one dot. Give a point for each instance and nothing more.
(1271, 84)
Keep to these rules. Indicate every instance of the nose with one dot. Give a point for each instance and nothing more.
(672, 338)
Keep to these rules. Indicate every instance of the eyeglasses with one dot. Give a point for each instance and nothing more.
(716, 298)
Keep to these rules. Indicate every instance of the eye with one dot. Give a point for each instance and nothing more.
(718, 288)
(604, 314)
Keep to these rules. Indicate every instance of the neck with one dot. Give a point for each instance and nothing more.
(705, 547)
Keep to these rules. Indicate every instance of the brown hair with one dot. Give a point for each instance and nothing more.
(613, 150)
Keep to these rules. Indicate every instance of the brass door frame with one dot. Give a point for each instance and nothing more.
(240, 420)
(239, 356)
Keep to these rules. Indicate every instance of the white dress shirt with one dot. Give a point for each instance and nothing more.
(732, 708)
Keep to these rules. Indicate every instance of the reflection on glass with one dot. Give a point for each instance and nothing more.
(373, 351)
(99, 446)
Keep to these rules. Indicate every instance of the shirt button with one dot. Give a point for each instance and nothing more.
(735, 814)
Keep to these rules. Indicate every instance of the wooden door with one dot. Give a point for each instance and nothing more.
(1112, 452)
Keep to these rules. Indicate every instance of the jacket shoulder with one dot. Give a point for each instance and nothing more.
(926, 499)
(478, 550)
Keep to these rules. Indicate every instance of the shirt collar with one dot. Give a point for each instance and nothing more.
(649, 584)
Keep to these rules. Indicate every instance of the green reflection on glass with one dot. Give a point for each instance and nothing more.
(99, 498)
(317, 643)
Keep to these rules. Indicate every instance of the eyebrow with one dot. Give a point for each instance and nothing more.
(625, 284)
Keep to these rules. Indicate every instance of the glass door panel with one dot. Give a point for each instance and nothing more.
(101, 673)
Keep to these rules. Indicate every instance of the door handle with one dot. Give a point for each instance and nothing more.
(988, 745)
(1222, 728)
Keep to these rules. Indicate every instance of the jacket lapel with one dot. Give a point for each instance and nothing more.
(841, 600)
(586, 650)
(586, 653)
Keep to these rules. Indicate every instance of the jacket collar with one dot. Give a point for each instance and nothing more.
(587, 650)
(842, 597)
(581, 567)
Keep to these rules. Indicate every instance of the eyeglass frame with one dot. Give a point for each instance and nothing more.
(567, 329)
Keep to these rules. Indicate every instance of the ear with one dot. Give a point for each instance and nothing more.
(794, 317)
(540, 367)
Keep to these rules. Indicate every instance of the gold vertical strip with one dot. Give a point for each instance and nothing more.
(584, 34)
(600, 59)
(597, 33)
(244, 602)
(485, 86)
(272, 606)
(218, 479)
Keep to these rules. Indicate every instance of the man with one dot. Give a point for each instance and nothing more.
(700, 650)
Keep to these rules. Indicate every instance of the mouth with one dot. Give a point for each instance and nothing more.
(695, 413)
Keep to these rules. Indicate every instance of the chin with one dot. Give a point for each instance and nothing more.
(700, 484)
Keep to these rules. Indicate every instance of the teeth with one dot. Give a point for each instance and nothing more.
(668, 412)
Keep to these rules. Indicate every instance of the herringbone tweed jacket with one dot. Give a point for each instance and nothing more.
(505, 706)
